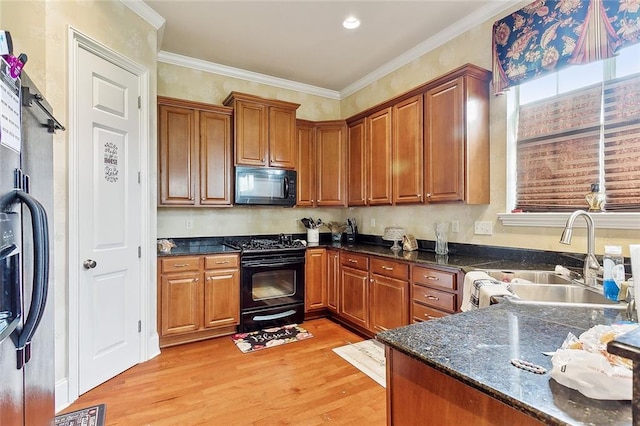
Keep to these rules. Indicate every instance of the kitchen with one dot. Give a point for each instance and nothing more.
(136, 38)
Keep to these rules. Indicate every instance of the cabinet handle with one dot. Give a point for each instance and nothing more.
(222, 262)
(429, 316)
(387, 268)
(431, 297)
(180, 265)
(432, 278)
(353, 261)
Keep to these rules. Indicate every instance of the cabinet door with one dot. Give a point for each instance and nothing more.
(178, 141)
(221, 298)
(333, 279)
(408, 176)
(282, 138)
(357, 175)
(315, 277)
(389, 303)
(306, 196)
(215, 158)
(331, 164)
(444, 142)
(379, 157)
(354, 296)
(181, 307)
(251, 133)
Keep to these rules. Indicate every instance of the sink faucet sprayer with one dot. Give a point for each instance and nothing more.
(591, 267)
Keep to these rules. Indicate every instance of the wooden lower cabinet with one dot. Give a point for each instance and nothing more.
(333, 280)
(389, 294)
(354, 296)
(418, 394)
(199, 297)
(434, 293)
(315, 277)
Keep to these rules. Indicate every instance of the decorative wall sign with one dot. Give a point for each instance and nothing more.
(111, 162)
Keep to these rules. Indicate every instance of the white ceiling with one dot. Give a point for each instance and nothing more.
(304, 42)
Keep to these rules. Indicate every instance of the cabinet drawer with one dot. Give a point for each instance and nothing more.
(356, 261)
(424, 313)
(180, 264)
(435, 278)
(221, 261)
(390, 268)
(435, 298)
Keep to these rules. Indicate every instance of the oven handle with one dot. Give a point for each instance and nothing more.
(274, 316)
(294, 261)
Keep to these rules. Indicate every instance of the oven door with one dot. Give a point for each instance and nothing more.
(272, 280)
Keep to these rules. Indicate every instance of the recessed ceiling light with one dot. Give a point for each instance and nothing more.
(351, 23)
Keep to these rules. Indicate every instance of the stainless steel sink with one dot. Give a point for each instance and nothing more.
(533, 276)
(549, 288)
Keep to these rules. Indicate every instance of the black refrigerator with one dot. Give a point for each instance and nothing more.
(27, 373)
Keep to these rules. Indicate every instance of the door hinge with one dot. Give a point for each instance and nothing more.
(139, 326)
(139, 177)
(139, 252)
(139, 102)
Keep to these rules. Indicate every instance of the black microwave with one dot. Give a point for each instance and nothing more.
(265, 187)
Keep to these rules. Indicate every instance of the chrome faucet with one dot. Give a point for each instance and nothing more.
(591, 267)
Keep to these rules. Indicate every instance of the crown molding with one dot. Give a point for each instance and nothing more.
(145, 12)
(429, 44)
(198, 64)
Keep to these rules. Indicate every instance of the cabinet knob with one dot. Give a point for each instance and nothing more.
(428, 195)
(203, 199)
(197, 279)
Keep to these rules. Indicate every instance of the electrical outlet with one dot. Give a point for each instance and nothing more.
(373, 222)
(455, 226)
(188, 224)
(483, 228)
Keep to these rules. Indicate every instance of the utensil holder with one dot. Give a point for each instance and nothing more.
(313, 235)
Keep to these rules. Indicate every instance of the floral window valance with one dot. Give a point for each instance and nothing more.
(548, 35)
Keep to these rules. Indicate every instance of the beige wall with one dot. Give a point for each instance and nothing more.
(41, 29)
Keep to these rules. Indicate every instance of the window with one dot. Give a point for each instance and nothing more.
(577, 127)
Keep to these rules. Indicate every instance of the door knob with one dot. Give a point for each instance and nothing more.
(89, 264)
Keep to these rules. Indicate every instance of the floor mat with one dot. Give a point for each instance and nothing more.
(368, 357)
(90, 416)
(270, 337)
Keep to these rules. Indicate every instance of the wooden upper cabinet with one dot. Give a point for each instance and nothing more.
(357, 174)
(216, 168)
(456, 122)
(282, 137)
(194, 153)
(306, 196)
(251, 138)
(331, 163)
(177, 148)
(265, 131)
(379, 157)
(407, 154)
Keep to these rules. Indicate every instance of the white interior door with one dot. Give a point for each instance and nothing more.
(109, 204)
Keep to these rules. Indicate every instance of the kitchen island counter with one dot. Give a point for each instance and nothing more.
(476, 348)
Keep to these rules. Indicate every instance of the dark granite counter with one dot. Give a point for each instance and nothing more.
(476, 347)
(198, 246)
(464, 261)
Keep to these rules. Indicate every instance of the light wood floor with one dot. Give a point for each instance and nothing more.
(213, 383)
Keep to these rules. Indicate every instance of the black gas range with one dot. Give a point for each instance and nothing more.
(271, 281)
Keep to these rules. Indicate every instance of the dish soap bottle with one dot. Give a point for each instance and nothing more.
(613, 265)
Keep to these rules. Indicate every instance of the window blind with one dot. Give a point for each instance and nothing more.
(558, 150)
(622, 143)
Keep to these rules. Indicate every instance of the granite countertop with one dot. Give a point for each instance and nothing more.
(198, 246)
(476, 347)
(464, 262)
